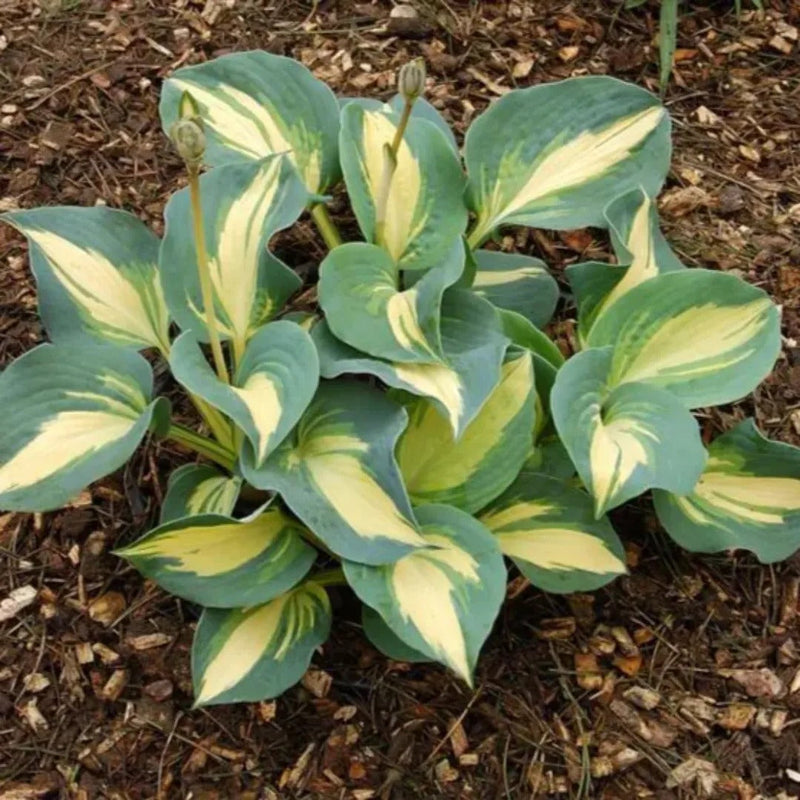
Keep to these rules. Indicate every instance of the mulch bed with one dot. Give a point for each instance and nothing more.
(678, 681)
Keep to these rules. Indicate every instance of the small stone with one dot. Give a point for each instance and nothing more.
(160, 690)
(731, 199)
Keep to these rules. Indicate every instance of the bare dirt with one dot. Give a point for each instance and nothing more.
(679, 681)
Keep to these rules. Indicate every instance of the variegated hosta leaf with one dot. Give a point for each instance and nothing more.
(525, 334)
(385, 640)
(443, 600)
(516, 282)
(248, 654)
(473, 348)
(550, 458)
(748, 497)
(425, 209)
(257, 104)
(273, 384)
(218, 561)
(555, 155)
(195, 489)
(71, 414)
(421, 109)
(360, 293)
(96, 273)
(243, 206)
(708, 337)
(338, 474)
(470, 472)
(624, 440)
(549, 529)
(641, 250)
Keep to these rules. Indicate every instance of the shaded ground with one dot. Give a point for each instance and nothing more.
(679, 681)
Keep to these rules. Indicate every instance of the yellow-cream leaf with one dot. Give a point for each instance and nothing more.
(697, 341)
(499, 277)
(59, 442)
(221, 490)
(562, 549)
(240, 652)
(518, 512)
(208, 550)
(756, 499)
(432, 461)
(260, 396)
(642, 248)
(379, 130)
(245, 123)
(234, 266)
(425, 597)
(587, 156)
(436, 380)
(401, 311)
(616, 450)
(335, 467)
(111, 301)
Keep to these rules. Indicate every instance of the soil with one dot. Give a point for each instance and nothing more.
(678, 681)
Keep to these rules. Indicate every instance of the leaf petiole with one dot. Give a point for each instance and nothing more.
(202, 444)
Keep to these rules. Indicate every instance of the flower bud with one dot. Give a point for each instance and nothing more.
(411, 80)
(189, 140)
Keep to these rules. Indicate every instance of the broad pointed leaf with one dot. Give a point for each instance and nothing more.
(338, 474)
(470, 472)
(72, 414)
(516, 282)
(549, 529)
(642, 253)
(441, 601)
(96, 274)
(525, 334)
(222, 562)
(748, 497)
(365, 306)
(624, 440)
(248, 654)
(708, 337)
(196, 489)
(273, 385)
(256, 104)
(473, 350)
(382, 637)
(243, 206)
(425, 208)
(555, 155)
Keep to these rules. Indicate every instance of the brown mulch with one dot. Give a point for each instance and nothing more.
(679, 681)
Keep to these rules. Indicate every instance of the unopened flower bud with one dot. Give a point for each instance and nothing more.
(411, 80)
(189, 140)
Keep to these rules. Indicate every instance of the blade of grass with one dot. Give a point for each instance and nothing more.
(667, 40)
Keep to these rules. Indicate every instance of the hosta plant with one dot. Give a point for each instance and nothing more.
(406, 428)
